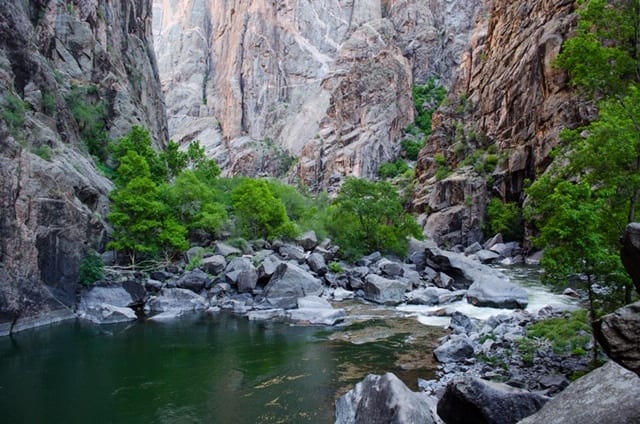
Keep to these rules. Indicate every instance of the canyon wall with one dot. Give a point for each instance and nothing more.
(509, 103)
(53, 199)
(312, 90)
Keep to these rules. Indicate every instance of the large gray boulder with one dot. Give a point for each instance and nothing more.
(619, 335)
(308, 240)
(104, 313)
(288, 283)
(428, 296)
(175, 300)
(114, 295)
(383, 399)
(497, 293)
(383, 290)
(316, 310)
(194, 280)
(458, 348)
(317, 263)
(214, 264)
(610, 394)
(471, 400)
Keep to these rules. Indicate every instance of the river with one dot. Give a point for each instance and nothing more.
(214, 368)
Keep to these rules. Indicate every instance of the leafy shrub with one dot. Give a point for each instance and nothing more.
(13, 112)
(427, 97)
(411, 148)
(443, 170)
(505, 218)
(91, 268)
(336, 267)
(393, 169)
(43, 151)
(90, 113)
(49, 103)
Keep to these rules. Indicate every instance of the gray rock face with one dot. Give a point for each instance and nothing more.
(288, 283)
(619, 335)
(113, 295)
(457, 348)
(468, 400)
(258, 82)
(382, 399)
(497, 293)
(383, 290)
(53, 208)
(610, 394)
(175, 300)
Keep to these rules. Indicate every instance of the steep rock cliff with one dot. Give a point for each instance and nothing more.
(508, 95)
(326, 82)
(53, 199)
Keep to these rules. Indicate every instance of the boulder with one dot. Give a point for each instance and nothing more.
(293, 253)
(340, 294)
(104, 313)
(266, 314)
(214, 265)
(288, 283)
(630, 252)
(505, 250)
(443, 281)
(308, 241)
(486, 256)
(317, 264)
(470, 400)
(390, 268)
(384, 291)
(194, 280)
(175, 299)
(383, 399)
(227, 250)
(619, 335)
(493, 241)
(113, 294)
(268, 266)
(427, 296)
(461, 268)
(316, 310)
(194, 253)
(497, 293)
(461, 324)
(609, 394)
(473, 248)
(456, 349)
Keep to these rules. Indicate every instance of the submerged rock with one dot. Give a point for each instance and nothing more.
(383, 399)
(471, 400)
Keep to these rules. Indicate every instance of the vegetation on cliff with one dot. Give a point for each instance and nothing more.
(582, 203)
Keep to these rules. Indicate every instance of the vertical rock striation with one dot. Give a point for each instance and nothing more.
(509, 95)
(260, 83)
(53, 199)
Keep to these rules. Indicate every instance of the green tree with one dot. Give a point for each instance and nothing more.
(175, 159)
(259, 214)
(569, 216)
(506, 219)
(139, 140)
(91, 268)
(368, 216)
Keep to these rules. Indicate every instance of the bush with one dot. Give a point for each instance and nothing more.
(91, 268)
(505, 218)
(393, 169)
(411, 148)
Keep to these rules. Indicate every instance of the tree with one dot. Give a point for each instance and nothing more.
(569, 215)
(259, 213)
(139, 141)
(368, 216)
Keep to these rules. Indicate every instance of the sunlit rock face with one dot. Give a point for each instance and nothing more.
(53, 200)
(509, 97)
(328, 83)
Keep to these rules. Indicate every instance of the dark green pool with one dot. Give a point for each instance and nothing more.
(201, 369)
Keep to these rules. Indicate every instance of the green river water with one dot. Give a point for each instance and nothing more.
(210, 368)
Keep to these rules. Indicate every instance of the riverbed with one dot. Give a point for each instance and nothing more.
(219, 368)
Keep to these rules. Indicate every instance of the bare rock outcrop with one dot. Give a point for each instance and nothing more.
(509, 101)
(264, 85)
(52, 197)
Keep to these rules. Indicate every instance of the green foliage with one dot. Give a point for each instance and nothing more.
(336, 267)
(393, 169)
(505, 218)
(43, 151)
(90, 113)
(91, 268)
(175, 159)
(138, 140)
(49, 104)
(259, 214)
(427, 97)
(195, 261)
(368, 216)
(566, 335)
(443, 170)
(13, 110)
(411, 147)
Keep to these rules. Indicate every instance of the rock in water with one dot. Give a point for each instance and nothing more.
(497, 293)
(471, 400)
(619, 335)
(383, 290)
(610, 394)
(383, 399)
(288, 283)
